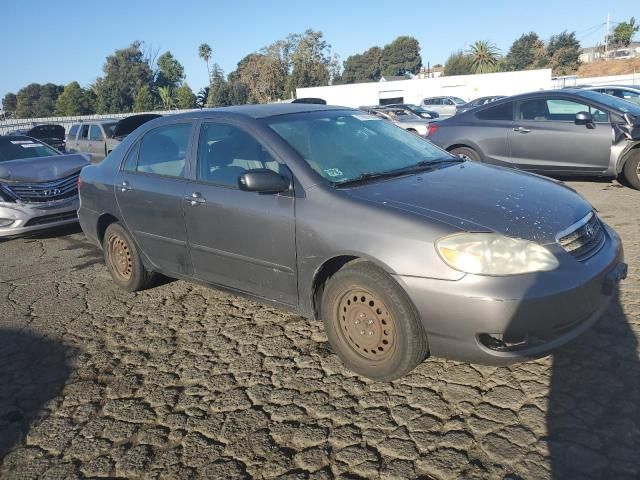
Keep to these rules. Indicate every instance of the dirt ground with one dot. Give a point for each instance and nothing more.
(182, 381)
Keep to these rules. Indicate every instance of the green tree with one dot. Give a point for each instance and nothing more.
(311, 61)
(201, 97)
(527, 52)
(144, 101)
(166, 98)
(563, 51)
(170, 71)
(185, 97)
(262, 76)
(401, 56)
(205, 52)
(363, 67)
(624, 32)
(126, 72)
(74, 100)
(458, 63)
(9, 103)
(484, 56)
(37, 100)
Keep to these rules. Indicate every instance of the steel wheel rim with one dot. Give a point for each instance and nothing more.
(465, 157)
(365, 325)
(120, 257)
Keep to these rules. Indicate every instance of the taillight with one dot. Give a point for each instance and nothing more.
(431, 129)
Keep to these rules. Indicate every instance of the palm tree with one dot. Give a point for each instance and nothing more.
(484, 56)
(166, 97)
(205, 52)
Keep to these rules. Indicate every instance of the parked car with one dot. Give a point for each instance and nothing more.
(316, 101)
(38, 186)
(415, 109)
(630, 93)
(49, 133)
(444, 106)
(478, 102)
(400, 117)
(562, 132)
(401, 248)
(100, 137)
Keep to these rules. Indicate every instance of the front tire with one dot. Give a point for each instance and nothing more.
(371, 324)
(632, 170)
(123, 260)
(466, 153)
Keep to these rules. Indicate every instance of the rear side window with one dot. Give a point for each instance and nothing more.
(499, 112)
(163, 151)
(73, 130)
(95, 133)
(84, 132)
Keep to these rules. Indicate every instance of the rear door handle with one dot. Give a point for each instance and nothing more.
(522, 130)
(195, 198)
(125, 187)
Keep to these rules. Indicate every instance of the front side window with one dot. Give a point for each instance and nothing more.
(95, 133)
(457, 101)
(344, 145)
(558, 110)
(72, 131)
(498, 112)
(163, 151)
(225, 152)
(84, 132)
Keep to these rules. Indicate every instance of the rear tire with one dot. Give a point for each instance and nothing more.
(123, 260)
(466, 153)
(632, 170)
(371, 324)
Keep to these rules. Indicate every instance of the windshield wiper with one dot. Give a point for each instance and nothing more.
(363, 177)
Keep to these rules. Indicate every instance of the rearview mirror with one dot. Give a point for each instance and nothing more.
(584, 118)
(262, 180)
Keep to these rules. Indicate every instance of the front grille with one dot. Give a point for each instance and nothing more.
(586, 239)
(46, 191)
(55, 217)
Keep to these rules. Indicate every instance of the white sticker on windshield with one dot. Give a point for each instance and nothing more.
(333, 172)
(20, 142)
(365, 117)
(29, 145)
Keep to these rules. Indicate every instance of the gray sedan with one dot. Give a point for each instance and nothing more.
(561, 132)
(401, 248)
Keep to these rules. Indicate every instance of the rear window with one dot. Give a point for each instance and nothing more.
(498, 112)
(16, 148)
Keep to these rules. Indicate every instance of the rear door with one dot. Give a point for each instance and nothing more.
(546, 139)
(96, 143)
(150, 189)
(238, 239)
(490, 131)
(71, 138)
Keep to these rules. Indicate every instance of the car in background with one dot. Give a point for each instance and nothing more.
(444, 106)
(400, 117)
(415, 109)
(49, 133)
(310, 100)
(478, 102)
(402, 249)
(556, 132)
(38, 185)
(100, 137)
(630, 93)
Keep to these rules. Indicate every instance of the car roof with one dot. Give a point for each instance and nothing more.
(261, 111)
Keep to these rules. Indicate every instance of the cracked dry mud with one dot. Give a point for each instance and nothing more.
(182, 381)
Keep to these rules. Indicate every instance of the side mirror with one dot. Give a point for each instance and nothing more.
(262, 180)
(584, 118)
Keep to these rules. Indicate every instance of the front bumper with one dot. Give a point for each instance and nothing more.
(29, 217)
(503, 320)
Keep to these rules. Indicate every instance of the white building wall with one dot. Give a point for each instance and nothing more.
(467, 87)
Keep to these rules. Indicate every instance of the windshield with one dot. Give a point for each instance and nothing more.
(342, 145)
(613, 102)
(16, 148)
(458, 100)
(109, 129)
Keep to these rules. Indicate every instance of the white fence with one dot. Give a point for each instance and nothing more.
(7, 126)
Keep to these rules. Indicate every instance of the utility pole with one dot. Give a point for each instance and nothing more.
(607, 34)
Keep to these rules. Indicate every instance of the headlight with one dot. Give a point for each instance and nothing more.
(493, 254)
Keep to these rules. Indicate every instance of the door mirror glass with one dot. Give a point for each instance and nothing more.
(584, 118)
(262, 180)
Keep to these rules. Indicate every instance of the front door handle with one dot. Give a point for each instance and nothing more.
(195, 198)
(522, 130)
(125, 187)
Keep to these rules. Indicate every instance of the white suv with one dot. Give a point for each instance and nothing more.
(445, 106)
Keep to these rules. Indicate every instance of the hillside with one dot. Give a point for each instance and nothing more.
(611, 67)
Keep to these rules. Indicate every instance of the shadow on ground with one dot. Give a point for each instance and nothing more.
(593, 417)
(33, 370)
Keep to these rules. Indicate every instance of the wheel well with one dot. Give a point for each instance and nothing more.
(459, 145)
(629, 154)
(103, 222)
(324, 273)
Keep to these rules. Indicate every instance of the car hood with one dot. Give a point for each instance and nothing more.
(42, 169)
(127, 125)
(474, 197)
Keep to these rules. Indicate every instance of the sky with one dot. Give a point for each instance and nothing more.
(51, 41)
